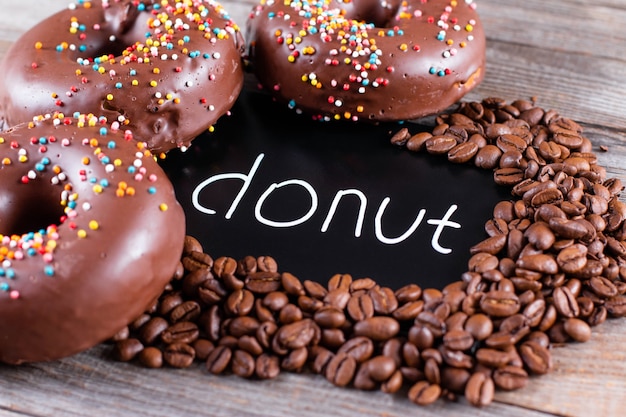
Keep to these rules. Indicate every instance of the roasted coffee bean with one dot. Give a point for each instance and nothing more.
(181, 332)
(500, 303)
(127, 349)
(329, 317)
(577, 329)
(360, 348)
(295, 360)
(458, 340)
(291, 284)
(242, 364)
(202, 347)
(219, 359)
(536, 357)
(424, 393)
(187, 311)
(479, 389)
(267, 366)
(510, 378)
(263, 282)
(360, 307)
(152, 330)
(196, 260)
(151, 357)
(393, 384)
(179, 355)
(290, 313)
(341, 369)
(383, 299)
(408, 311)
(378, 328)
(479, 326)
(565, 302)
(297, 334)
(340, 281)
(239, 303)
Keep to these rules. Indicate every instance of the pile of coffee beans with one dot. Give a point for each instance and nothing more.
(552, 266)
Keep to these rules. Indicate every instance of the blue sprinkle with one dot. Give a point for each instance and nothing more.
(131, 169)
(111, 144)
(432, 70)
(59, 48)
(152, 190)
(103, 131)
(292, 104)
(186, 39)
(49, 270)
(93, 180)
(141, 7)
(82, 28)
(104, 182)
(82, 48)
(4, 286)
(45, 161)
(105, 160)
(10, 273)
(72, 204)
(40, 167)
(31, 252)
(133, 73)
(2, 272)
(118, 85)
(43, 140)
(441, 73)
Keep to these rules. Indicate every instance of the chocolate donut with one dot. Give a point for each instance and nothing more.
(91, 232)
(367, 59)
(168, 70)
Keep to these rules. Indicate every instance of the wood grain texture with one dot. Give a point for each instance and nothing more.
(569, 54)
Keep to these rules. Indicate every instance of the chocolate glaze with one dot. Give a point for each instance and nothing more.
(206, 77)
(367, 59)
(115, 242)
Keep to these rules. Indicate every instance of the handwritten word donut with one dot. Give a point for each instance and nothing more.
(367, 59)
(90, 233)
(166, 69)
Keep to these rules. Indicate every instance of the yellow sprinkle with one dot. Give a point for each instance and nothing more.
(97, 189)
(404, 47)
(109, 97)
(469, 27)
(81, 234)
(211, 128)
(6, 161)
(169, 96)
(117, 162)
(93, 225)
(135, 82)
(153, 83)
(291, 58)
(1, 140)
(101, 70)
(86, 161)
(22, 158)
(156, 71)
(160, 101)
(163, 207)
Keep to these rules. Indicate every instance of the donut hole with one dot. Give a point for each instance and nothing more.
(380, 13)
(29, 207)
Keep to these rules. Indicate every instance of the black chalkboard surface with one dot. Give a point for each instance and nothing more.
(330, 197)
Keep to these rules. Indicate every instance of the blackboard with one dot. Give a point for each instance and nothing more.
(271, 182)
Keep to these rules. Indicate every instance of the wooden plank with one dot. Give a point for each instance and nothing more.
(567, 53)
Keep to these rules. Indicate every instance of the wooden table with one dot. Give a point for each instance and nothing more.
(571, 55)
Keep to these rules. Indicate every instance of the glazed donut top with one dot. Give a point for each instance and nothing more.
(168, 70)
(367, 59)
(90, 234)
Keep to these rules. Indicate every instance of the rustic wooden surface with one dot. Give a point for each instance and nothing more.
(571, 55)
